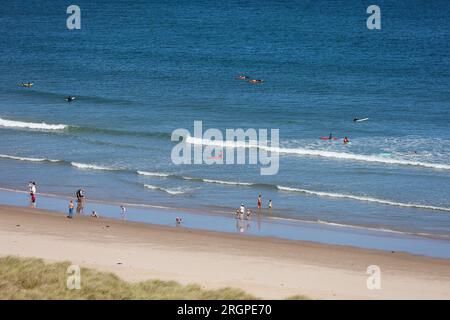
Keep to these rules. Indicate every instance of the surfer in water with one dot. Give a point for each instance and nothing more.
(346, 140)
(70, 98)
(330, 136)
(256, 81)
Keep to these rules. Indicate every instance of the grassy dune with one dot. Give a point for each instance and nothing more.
(25, 278)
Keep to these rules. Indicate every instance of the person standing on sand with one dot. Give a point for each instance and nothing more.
(241, 211)
(32, 187)
(270, 204)
(80, 201)
(259, 202)
(70, 209)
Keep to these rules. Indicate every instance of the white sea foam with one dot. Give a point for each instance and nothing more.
(363, 198)
(30, 125)
(169, 191)
(152, 174)
(318, 153)
(91, 166)
(5, 156)
(235, 183)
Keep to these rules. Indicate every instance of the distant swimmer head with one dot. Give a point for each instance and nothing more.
(242, 77)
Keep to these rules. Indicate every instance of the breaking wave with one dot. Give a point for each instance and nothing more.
(169, 191)
(362, 198)
(318, 153)
(31, 125)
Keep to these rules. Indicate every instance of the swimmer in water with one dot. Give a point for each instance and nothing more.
(256, 81)
(242, 77)
(346, 140)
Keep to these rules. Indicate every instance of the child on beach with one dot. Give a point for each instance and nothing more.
(94, 214)
(242, 210)
(70, 209)
(270, 204)
(249, 214)
(259, 202)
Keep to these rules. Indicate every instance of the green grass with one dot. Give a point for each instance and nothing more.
(29, 278)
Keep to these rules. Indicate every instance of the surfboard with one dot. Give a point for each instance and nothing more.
(360, 120)
(328, 138)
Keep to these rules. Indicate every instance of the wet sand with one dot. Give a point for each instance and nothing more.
(265, 267)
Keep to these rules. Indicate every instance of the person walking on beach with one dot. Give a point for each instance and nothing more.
(70, 209)
(80, 201)
(270, 204)
(259, 202)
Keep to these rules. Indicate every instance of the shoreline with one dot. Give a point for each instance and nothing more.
(139, 251)
(260, 225)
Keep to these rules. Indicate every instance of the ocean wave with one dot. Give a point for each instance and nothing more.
(31, 125)
(152, 174)
(363, 198)
(169, 191)
(234, 183)
(115, 132)
(5, 156)
(93, 166)
(318, 153)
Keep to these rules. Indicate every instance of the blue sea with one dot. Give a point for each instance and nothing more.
(141, 69)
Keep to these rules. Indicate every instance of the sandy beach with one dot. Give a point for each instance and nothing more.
(265, 267)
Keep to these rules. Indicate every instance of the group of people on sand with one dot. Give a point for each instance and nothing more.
(245, 213)
(81, 201)
(80, 204)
